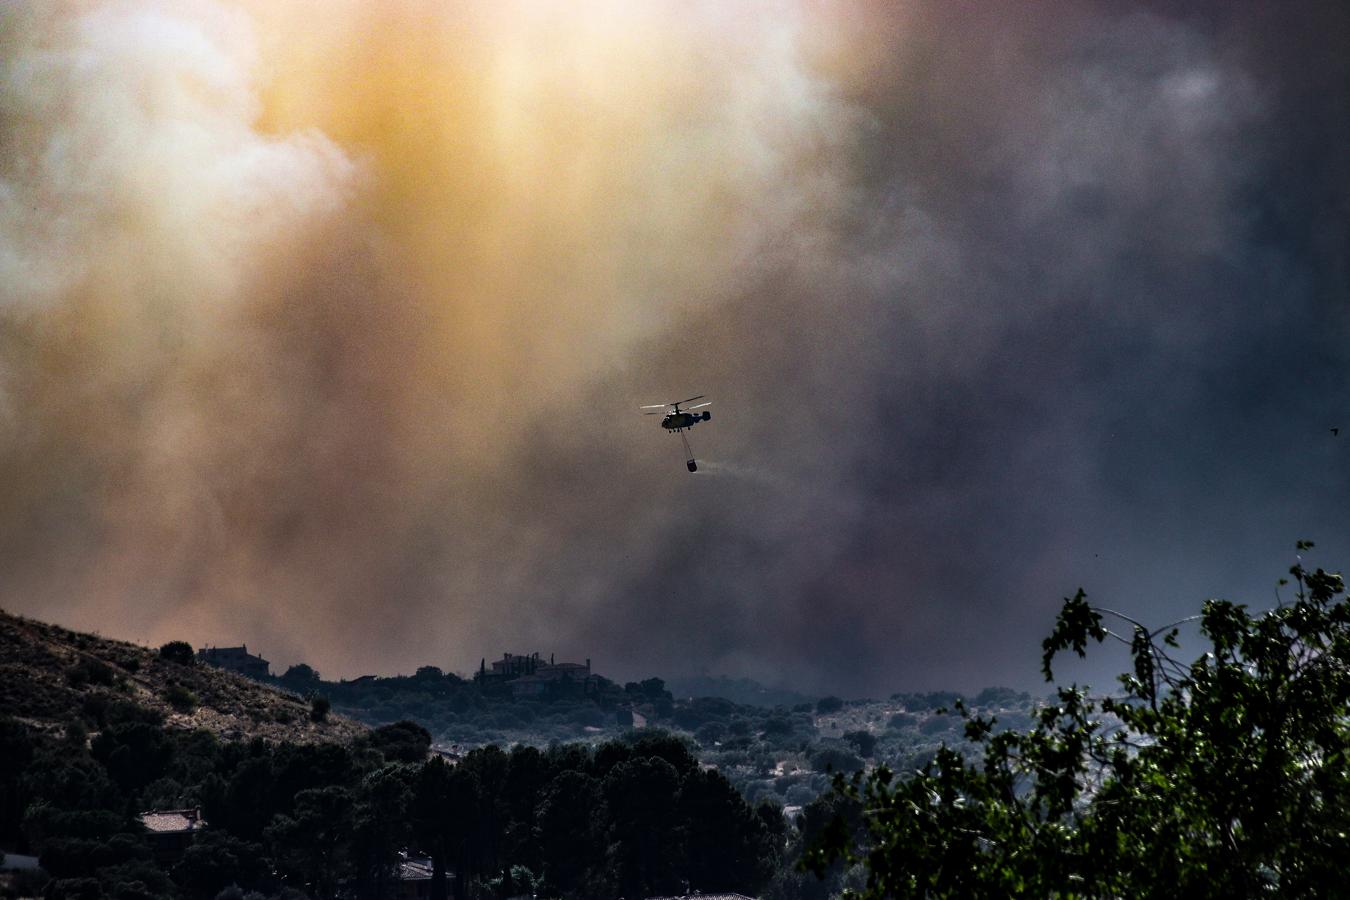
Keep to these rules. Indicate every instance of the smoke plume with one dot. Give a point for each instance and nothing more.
(323, 326)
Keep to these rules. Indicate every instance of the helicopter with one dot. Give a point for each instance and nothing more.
(676, 419)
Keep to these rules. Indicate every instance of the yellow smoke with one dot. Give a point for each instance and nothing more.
(277, 279)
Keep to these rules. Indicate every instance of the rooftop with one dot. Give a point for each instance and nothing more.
(172, 821)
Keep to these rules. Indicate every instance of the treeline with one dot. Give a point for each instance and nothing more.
(459, 710)
(776, 754)
(632, 817)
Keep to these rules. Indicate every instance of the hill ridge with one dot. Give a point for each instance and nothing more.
(51, 676)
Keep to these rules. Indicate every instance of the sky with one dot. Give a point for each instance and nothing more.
(324, 326)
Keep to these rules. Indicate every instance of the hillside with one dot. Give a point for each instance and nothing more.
(50, 676)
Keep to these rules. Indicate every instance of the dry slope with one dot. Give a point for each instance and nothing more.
(50, 675)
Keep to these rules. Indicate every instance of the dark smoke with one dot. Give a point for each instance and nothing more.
(993, 301)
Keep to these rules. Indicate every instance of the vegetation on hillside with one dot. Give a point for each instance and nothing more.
(51, 677)
(780, 754)
(634, 817)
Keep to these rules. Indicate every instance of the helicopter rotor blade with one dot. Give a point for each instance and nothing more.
(699, 405)
(655, 406)
(690, 400)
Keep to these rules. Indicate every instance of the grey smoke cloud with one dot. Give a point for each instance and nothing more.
(331, 340)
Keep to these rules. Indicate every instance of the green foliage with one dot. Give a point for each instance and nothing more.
(133, 753)
(402, 742)
(180, 698)
(863, 741)
(178, 652)
(1224, 777)
(312, 845)
(90, 671)
(634, 816)
(933, 700)
(835, 759)
(301, 678)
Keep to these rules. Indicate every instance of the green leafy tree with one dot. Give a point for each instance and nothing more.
(863, 741)
(381, 827)
(727, 846)
(312, 846)
(214, 861)
(134, 753)
(641, 795)
(16, 748)
(179, 652)
(1224, 777)
(570, 822)
(301, 678)
(444, 817)
(403, 741)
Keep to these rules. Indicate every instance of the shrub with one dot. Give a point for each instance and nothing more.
(937, 724)
(835, 759)
(863, 741)
(318, 708)
(180, 698)
(178, 652)
(710, 733)
(829, 705)
(90, 671)
(902, 721)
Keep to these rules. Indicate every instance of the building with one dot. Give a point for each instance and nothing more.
(235, 659)
(171, 831)
(414, 877)
(530, 676)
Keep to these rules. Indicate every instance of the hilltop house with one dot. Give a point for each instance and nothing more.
(530, 676)
(235, 659)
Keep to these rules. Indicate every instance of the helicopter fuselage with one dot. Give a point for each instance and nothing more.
(679, 421)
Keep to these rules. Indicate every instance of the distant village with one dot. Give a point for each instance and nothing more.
(520, 675)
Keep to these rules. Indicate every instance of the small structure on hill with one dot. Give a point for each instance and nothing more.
(171, 831)
(530, 676)
(235, 659)
(414, 877)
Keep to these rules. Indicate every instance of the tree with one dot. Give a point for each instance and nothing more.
(834, 759)
(571, 817)
(301, 678)
(179, 652)
(319, 707)
(313, 845)
(444, 813)
(640, 794)
(381, 827)
(727, 846)
(1225, 777)
(214, 861)
(403, 741)
(863, 741)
